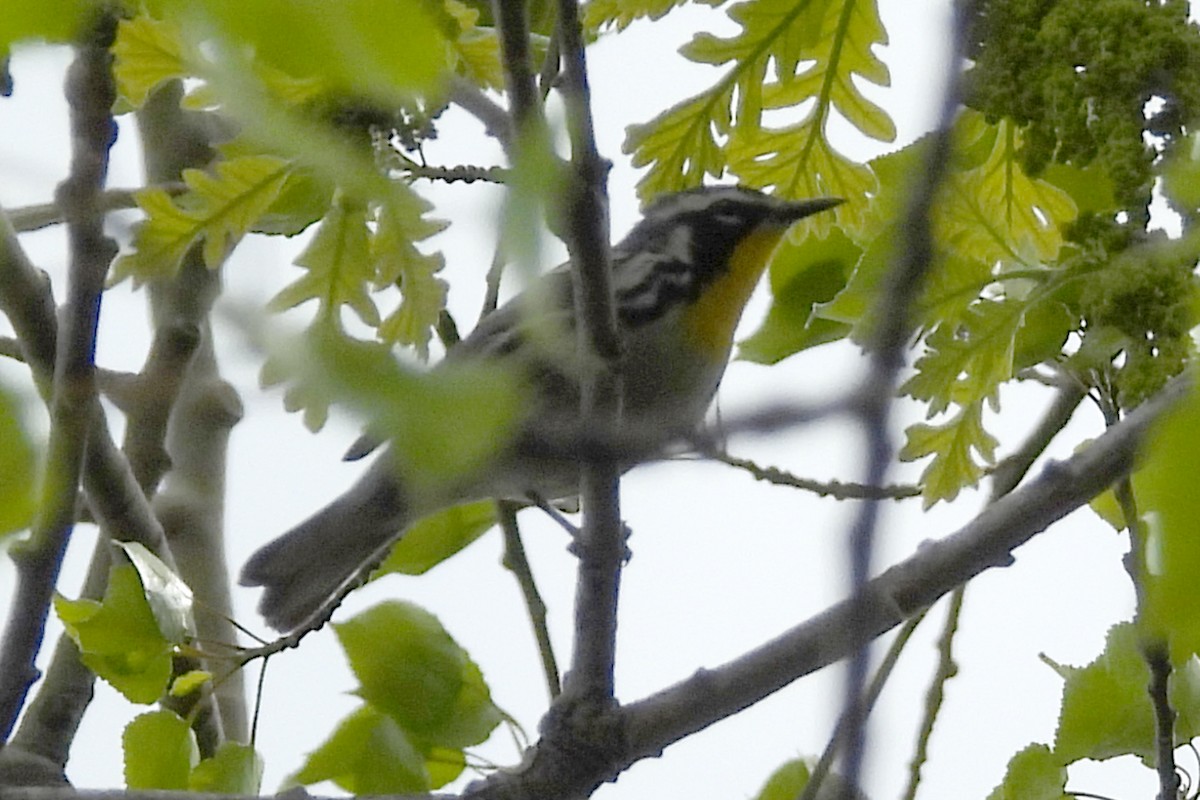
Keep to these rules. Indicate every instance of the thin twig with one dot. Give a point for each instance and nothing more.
(548, 74)
(1153, 646)
(90, 94)
(1005, 477)
(839, 490)
(1159, 662)
(491, 296)
(11, 348)
(593, 441)
(946, 669)
(464, 173)
(112, 492)
(113, 495)
(1009, 472)
(516, 562)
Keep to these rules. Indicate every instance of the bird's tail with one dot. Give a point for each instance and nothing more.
(306, 572)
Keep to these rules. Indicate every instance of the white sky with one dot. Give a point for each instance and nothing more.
(720, 563)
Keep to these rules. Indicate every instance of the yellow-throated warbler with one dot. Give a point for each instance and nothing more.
(681, 279)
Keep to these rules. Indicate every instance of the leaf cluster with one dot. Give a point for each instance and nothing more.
(424, 701)
(1104, 714)
(1078, 76)
(367, 228)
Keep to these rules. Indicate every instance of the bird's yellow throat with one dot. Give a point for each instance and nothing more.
(713, 317)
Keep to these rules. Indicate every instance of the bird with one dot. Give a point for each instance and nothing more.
(681, 279)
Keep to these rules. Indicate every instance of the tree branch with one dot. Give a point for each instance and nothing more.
(887, 600)
(52, 718)
(191, 502)
(33, 218)
(600, 546)
(147, 399)
(496, 121)
(90, 94)
(901, 286)
(113, 495)
(513, 29)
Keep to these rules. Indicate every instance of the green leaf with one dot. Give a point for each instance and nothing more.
(471, 720)
(148, 52)
(119, 639)
(839, 39)
(1106, 710)
(234, 769)
(787, 782)
(1090, 187)
(18, 466)
(406, 664)
(398, 262)
(351, 44)
(477, 48)
(444, 765)
(442, 424)
(219, 208)
(189, 682)
(338, 270)
(305, 197)
(799, 161)
(996, 212)
(964, 363)
(952, 444)
(303, 200)
(1043, 334)
(853, 304)
(620, 13)
(835, 42)
(160, 750)
(438, 536)
(1106, 507)
(680, 144)
(409, 668)
(803, 274)
(1035, 773)
(1172, 507)
(1181, 178)
(56, 21)
(169, 597)
(369, 753)
(953, 285)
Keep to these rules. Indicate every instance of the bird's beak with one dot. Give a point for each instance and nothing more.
(790, 211)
